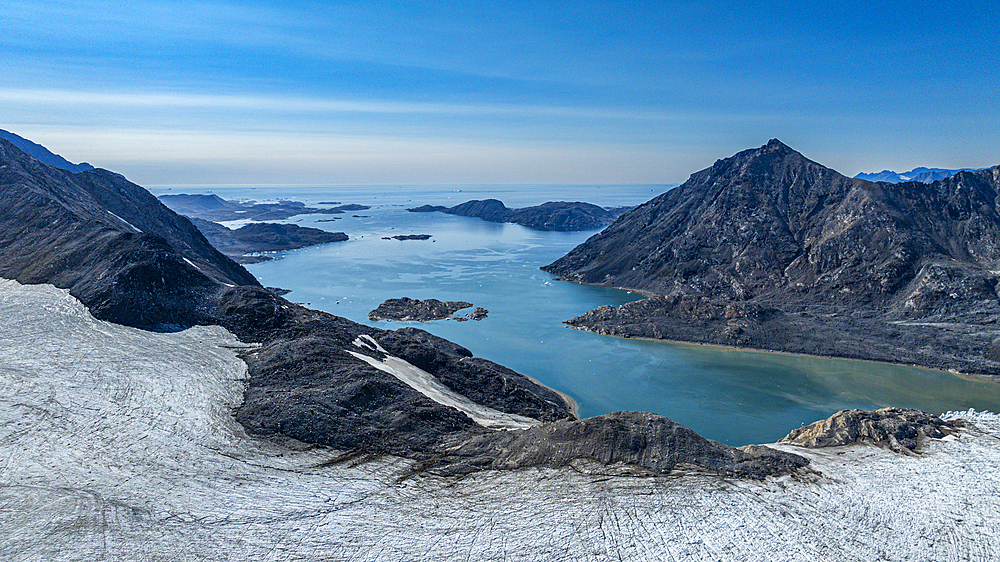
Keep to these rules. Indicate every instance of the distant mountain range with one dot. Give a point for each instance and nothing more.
(42, 154)
(770, 250)
(923, 175)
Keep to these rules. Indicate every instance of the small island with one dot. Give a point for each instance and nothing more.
(216, 209)
(406, 309)
(554, 215)
(408, 237)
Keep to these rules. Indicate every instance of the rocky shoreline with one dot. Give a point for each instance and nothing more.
(827, 332)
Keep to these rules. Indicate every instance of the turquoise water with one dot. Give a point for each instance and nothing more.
(736, 397)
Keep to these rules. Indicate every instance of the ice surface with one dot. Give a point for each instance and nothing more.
(118, 444)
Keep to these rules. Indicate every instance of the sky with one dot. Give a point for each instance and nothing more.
(582, 92)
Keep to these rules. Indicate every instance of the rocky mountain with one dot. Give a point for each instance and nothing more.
(108, 241)
(42, 154)
(769, 249)
(315, 377)
(921, 174)
(554, 215)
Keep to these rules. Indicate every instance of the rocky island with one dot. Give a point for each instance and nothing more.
(769, 250)
(554, 215)
(245, 244)
(406, 309)
(216, 209)
(408, 237)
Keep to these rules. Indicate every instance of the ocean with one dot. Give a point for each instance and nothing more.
(736, 397)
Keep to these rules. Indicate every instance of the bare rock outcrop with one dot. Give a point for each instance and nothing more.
(651, 442)
(405, 309)
(900, 430)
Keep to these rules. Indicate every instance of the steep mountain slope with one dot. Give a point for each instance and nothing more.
(110, 242)
(42, 154)
(775, 229)
(314, 377)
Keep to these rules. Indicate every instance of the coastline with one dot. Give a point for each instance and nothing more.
(973, 377)
(573, 406)
(969, 376)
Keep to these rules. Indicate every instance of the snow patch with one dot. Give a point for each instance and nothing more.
(428, 385)
(125, 221)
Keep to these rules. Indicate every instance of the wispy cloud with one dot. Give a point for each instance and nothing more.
(171, 100)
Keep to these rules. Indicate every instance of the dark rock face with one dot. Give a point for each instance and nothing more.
(406, 309)
(555, 215)
(132, 261)
(653, 442)
(241, 243)
(483, 381)
(214, 208)
(897, 429)
(772, 228)
(113, 245)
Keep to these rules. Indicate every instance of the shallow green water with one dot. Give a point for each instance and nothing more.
(733, 396)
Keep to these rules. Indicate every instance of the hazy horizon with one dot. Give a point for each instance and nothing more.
(384, 93)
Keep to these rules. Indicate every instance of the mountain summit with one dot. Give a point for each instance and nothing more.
(770, 228)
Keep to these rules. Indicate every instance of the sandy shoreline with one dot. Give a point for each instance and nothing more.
(968, 376)
(680, 343)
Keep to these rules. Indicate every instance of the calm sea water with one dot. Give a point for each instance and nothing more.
(736, 397)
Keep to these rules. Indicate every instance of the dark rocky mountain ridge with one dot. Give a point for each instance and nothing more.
(42, 154)
(131, 260)
(770, 231)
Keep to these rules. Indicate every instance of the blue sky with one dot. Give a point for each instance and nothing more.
(497, 92)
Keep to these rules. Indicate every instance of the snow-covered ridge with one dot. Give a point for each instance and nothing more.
(119, 444)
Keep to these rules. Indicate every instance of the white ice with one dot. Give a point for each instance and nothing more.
(124, 221)
(119, 444)
(428, 385)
